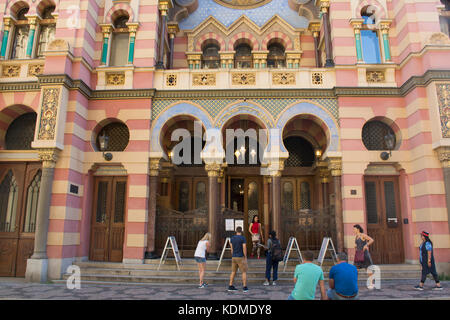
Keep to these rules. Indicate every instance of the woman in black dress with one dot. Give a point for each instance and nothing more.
(362, 255)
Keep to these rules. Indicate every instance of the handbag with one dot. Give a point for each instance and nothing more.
(256, 237)
(359, 256)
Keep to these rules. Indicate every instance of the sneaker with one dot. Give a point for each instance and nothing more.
(245, 289)
(232, 288)
(266, 283)
(204, 285)
(274, 283)
(438, 288)
(418, 288)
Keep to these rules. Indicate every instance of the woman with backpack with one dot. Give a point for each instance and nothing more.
(274, 255)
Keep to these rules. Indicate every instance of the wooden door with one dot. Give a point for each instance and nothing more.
(384, 223)
(19, 193)
(252, 205)
(108, 219)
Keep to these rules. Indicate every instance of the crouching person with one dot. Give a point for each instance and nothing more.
(343, 280)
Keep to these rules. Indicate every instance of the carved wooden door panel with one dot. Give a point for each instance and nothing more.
(19, 193)
(108, 219)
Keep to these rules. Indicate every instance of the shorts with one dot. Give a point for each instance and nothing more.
(238, 262)
(200, 260)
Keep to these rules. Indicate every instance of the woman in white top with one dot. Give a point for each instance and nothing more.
(200, 257)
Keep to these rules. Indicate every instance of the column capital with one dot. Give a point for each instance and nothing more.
(213, 169)
(356, 24)
(155, 166)
(32, 21)
(7, 22)
(132, 27)
(49, 156)
(335, 165)
(173, 28)
(385, 25)
(444, 156)
(164, 6)
(324, 5)
(314, 27)
(106, 30)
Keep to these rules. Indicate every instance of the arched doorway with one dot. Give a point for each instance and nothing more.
(19, 193)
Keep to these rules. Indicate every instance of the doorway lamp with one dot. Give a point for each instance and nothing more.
(103, 141)
(389, 139)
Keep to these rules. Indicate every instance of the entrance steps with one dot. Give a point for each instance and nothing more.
(120, 273)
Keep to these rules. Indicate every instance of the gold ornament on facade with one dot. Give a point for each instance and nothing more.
(11, 71)
(317, 78)
(115, 79)
(213, 169)
(243, 78)
(49, 109)
(204, 79)
(242, 4)
(335, 166)
(283, 78)
(443, 95)
(35, 69)
(444, 156)
(171, 80)
(375, 76)
(155, 167)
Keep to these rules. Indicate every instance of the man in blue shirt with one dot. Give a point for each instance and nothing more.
(238, 259)
(343, 280)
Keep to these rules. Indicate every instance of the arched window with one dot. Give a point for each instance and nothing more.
(32, 203)
(301, 152)
(118, 136)
(276, 57)
(183, 196)
(369, 37)
(21, 33)
(120, 42)
(20, 132)
(243, 56)
(9, 194)
(288, 196)
(200, 195)
(47, 30)
(374, 135)
(444, 17)
(211, 57)
(305, 195)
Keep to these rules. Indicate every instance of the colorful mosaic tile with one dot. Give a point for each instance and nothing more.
(443, 94)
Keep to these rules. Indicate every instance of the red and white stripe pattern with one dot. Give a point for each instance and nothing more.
(208, 36)
(280, 36)
(243, 35)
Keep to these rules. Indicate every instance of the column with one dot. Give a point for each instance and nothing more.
(276, 203)
(172, 29)
(357, 25)
(164, 7)
(324, 180)
(324, 8)
(155, 167)
(30, 45)
(213, 170)
(384, 26)
(106, 30)
(335, 165)
(7, 26)
(132, 27)
(37, 265)
(266, 204)
(314, 27)
(444, 158)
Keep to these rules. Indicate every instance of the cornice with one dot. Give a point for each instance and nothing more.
(80, 85)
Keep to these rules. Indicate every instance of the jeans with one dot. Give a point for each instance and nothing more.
(331, 293)
(269, 265)
(290, 297)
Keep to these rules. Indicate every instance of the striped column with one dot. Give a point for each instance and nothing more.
(7, 24)
(384, 26)
(106, 30)
(155, 167)
(32, 22)
(357, 25)
(324, 7)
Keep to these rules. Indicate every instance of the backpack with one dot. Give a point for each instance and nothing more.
(277, 252)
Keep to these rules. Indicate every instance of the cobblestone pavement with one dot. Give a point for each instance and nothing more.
(13, 288)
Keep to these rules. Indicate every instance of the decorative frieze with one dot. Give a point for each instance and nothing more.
(49, 110)
(115, 79)
(171, 80)
(283, 78)
(11, 71)
(375, 76)
(35, 69)
(243, 78)
(317, 78)
(204, 79)
(443, 95)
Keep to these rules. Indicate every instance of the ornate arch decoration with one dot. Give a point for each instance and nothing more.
(380, 12)
(47, 3)
(208, 36)
(394, 126)
(244, 108)
(284, 39)
(175, 110)
(8, 115)
(15, 6)
(315, 113)
(117, 10)
(243, 35)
